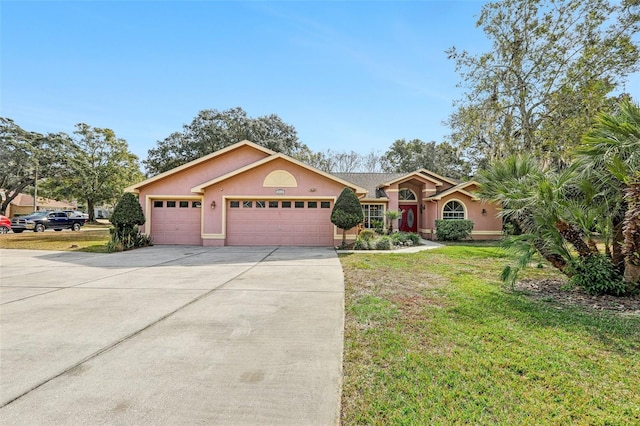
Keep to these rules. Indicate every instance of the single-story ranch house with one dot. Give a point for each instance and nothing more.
(246, 194)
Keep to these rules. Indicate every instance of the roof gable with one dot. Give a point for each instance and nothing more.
(460, 188)
(208, 157)
(200, 188)
(420, 174)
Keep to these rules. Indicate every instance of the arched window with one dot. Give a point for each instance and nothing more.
(453, 210)
(406, 194)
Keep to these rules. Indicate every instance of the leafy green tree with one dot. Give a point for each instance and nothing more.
(26, 157)
(442, 158)
(549, 71)
(347, 212)
(99, 167)
(212, 130)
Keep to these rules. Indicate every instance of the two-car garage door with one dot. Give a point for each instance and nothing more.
(249, 222)
(279, 222)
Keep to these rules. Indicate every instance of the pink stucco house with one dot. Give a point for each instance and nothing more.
(249, 195)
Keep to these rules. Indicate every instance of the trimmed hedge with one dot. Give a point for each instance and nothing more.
(453, 229)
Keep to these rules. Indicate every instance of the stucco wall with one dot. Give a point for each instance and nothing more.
(181, 182)
(486, 226)
(249, 184)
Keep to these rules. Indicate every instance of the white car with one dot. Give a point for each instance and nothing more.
(77, 213)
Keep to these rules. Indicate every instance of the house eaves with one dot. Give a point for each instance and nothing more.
(458, 188)
(417, 174)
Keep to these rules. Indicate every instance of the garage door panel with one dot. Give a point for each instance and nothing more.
(176, 225)
(279, 226)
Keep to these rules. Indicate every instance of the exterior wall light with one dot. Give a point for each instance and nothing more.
(213, 205)
(484, 212)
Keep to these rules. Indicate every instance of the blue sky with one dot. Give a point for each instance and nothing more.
(347, 75)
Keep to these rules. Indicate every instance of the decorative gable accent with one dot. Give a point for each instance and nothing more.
(280, 179)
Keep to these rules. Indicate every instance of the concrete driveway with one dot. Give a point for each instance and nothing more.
(171, 335)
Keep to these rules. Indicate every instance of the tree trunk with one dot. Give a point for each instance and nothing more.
(91, 211)
(10, 195)
(574, 237)
(631, 234)
(616, 247)
(555, 259)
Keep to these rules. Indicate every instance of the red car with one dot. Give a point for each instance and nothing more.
(5, 224)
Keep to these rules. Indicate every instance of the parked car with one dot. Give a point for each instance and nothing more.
(5, 224)
(39, 221)
(77, 213)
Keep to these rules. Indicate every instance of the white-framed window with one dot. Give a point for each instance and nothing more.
(453, 209)
(406, 194)
(372, 213)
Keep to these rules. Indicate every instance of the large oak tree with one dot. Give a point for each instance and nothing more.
(98, 168)
(212, 130)
(27, 156)
(552, 67)
(442, 158)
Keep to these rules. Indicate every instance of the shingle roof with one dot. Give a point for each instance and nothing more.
(26, 200)
(369, 181)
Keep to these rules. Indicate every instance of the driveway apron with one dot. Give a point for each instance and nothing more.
(171, 335)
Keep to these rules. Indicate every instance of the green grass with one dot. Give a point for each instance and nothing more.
(433, 338)
(91, 240)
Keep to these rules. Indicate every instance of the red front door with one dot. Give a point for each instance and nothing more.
(409, 221)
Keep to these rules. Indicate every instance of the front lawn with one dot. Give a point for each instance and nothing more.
(434, 338)
(91, 240)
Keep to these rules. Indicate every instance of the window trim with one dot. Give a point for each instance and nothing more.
(464, 209)
(367, 214)
(415, 196)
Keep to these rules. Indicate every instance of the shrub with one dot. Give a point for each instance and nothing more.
(400, 238)
(347, 212)
(131, 239)
(414, 238)
(383, 243)
(453, 230)
(126, 217)
(361, 244)
(367, 235)
(378, 226)
(597, 275)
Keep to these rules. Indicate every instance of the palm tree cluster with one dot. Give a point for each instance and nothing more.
(584, 219)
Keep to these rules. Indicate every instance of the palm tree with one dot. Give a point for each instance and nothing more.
(528, 194)
(392, 215)
(610, 157)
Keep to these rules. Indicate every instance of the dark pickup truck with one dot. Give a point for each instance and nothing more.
(39, 221)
